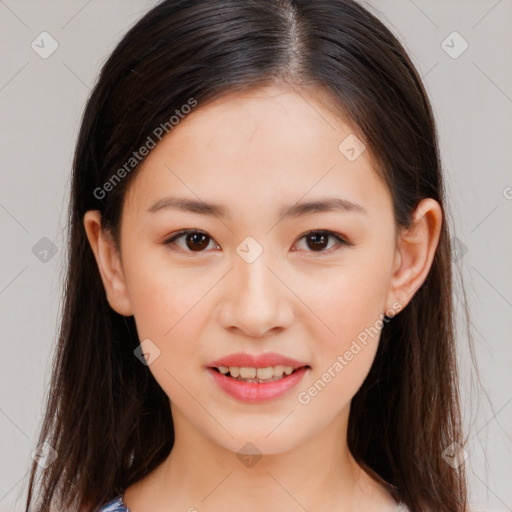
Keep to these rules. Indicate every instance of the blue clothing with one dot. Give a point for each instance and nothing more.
(116, 505)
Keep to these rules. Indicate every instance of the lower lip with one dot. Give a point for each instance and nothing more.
(254, 392)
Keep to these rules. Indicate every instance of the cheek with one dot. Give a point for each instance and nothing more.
(351, 308)
(162, 295)
(347, 300)
(350, 305)
(170, 309)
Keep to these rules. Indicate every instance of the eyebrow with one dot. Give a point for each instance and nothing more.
(296, 210)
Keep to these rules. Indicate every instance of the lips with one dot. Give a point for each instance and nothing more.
(289, 373)
(260, 361)
(255, 393)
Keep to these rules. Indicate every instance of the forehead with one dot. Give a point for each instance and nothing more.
(269, 143)
(272, 118)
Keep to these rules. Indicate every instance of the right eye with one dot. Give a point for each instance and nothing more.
(195, 241)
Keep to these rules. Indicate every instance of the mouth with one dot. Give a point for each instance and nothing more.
(258, 378)
(258, 375)
(253, 385)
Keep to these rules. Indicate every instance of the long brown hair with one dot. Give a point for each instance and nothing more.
(107, 419)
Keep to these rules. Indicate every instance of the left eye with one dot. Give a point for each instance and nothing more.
(198, 241)
(318, 240)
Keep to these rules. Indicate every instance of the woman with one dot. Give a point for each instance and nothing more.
(259, 305)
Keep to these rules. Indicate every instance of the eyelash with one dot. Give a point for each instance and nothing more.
(341, 241)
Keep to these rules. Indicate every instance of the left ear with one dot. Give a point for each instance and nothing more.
(415, 252)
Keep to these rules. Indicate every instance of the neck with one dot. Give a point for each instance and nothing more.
(200, 474)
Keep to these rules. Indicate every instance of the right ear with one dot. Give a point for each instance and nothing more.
(109, 263)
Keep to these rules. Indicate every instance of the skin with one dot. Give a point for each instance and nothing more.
(256, 152)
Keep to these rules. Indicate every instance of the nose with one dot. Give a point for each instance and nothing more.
(255, 301)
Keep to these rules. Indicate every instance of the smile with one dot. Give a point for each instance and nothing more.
(256, 385)
(250, 374)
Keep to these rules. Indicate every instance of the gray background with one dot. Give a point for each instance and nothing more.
(41, 103)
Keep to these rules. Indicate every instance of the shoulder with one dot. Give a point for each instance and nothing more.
(116, 505)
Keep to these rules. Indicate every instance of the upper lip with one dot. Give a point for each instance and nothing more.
(259, 361)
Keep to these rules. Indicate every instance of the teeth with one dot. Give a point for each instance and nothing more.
(246, 372)
(263, 373)
(234, 371)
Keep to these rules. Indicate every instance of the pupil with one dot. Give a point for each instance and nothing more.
(196, 238)
(317, 243)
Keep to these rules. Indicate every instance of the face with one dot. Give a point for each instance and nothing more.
(311, 284)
